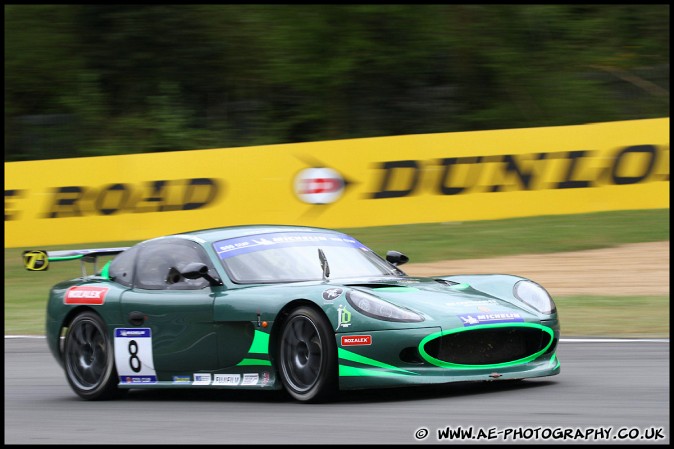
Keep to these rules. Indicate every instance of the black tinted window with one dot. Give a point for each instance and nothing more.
(121, 267)
(160, 262)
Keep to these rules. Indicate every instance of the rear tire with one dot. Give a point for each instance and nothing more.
(89, 359)
(308, 356)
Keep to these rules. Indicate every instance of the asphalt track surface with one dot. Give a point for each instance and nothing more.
(620, 388)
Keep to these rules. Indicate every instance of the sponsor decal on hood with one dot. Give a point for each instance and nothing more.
(472, 319)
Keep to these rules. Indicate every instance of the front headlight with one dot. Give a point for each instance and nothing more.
(534, 295)
(370, 305)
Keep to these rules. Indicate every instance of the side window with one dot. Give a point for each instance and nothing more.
(160, 262)
(122, 267)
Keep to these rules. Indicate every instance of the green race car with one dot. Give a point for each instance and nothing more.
(309, 310)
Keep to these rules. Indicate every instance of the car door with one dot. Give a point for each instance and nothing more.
(175, 314)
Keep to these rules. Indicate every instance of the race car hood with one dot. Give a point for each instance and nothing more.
(454, 295)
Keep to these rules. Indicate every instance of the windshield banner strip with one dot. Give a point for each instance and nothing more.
(242, 245)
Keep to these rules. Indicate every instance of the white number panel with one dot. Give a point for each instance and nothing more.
(133, 356)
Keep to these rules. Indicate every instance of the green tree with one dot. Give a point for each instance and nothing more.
(111, 79)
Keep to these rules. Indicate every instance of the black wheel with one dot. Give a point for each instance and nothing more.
(89, 359)
(308, 356)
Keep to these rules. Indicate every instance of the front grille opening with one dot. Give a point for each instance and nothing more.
(552, 347)
(488, 346)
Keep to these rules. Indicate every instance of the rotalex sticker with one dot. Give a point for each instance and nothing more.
(94, 296)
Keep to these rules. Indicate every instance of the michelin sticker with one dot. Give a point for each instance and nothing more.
(133, 356)
(490, 318)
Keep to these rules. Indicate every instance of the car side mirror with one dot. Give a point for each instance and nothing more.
(396, 258)
(196, 270)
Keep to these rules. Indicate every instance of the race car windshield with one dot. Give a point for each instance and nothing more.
(294, 257)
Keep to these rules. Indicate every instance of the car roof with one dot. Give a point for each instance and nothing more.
(222, 233)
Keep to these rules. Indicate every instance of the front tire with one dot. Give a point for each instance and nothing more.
(308, 356)
(89, 359)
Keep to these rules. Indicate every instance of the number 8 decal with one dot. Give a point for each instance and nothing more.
(134, 361)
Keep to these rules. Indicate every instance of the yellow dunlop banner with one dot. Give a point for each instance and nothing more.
(345, 183)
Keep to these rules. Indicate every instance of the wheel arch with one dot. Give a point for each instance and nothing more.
(88, 355)
(281, 316)
(65, 324)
